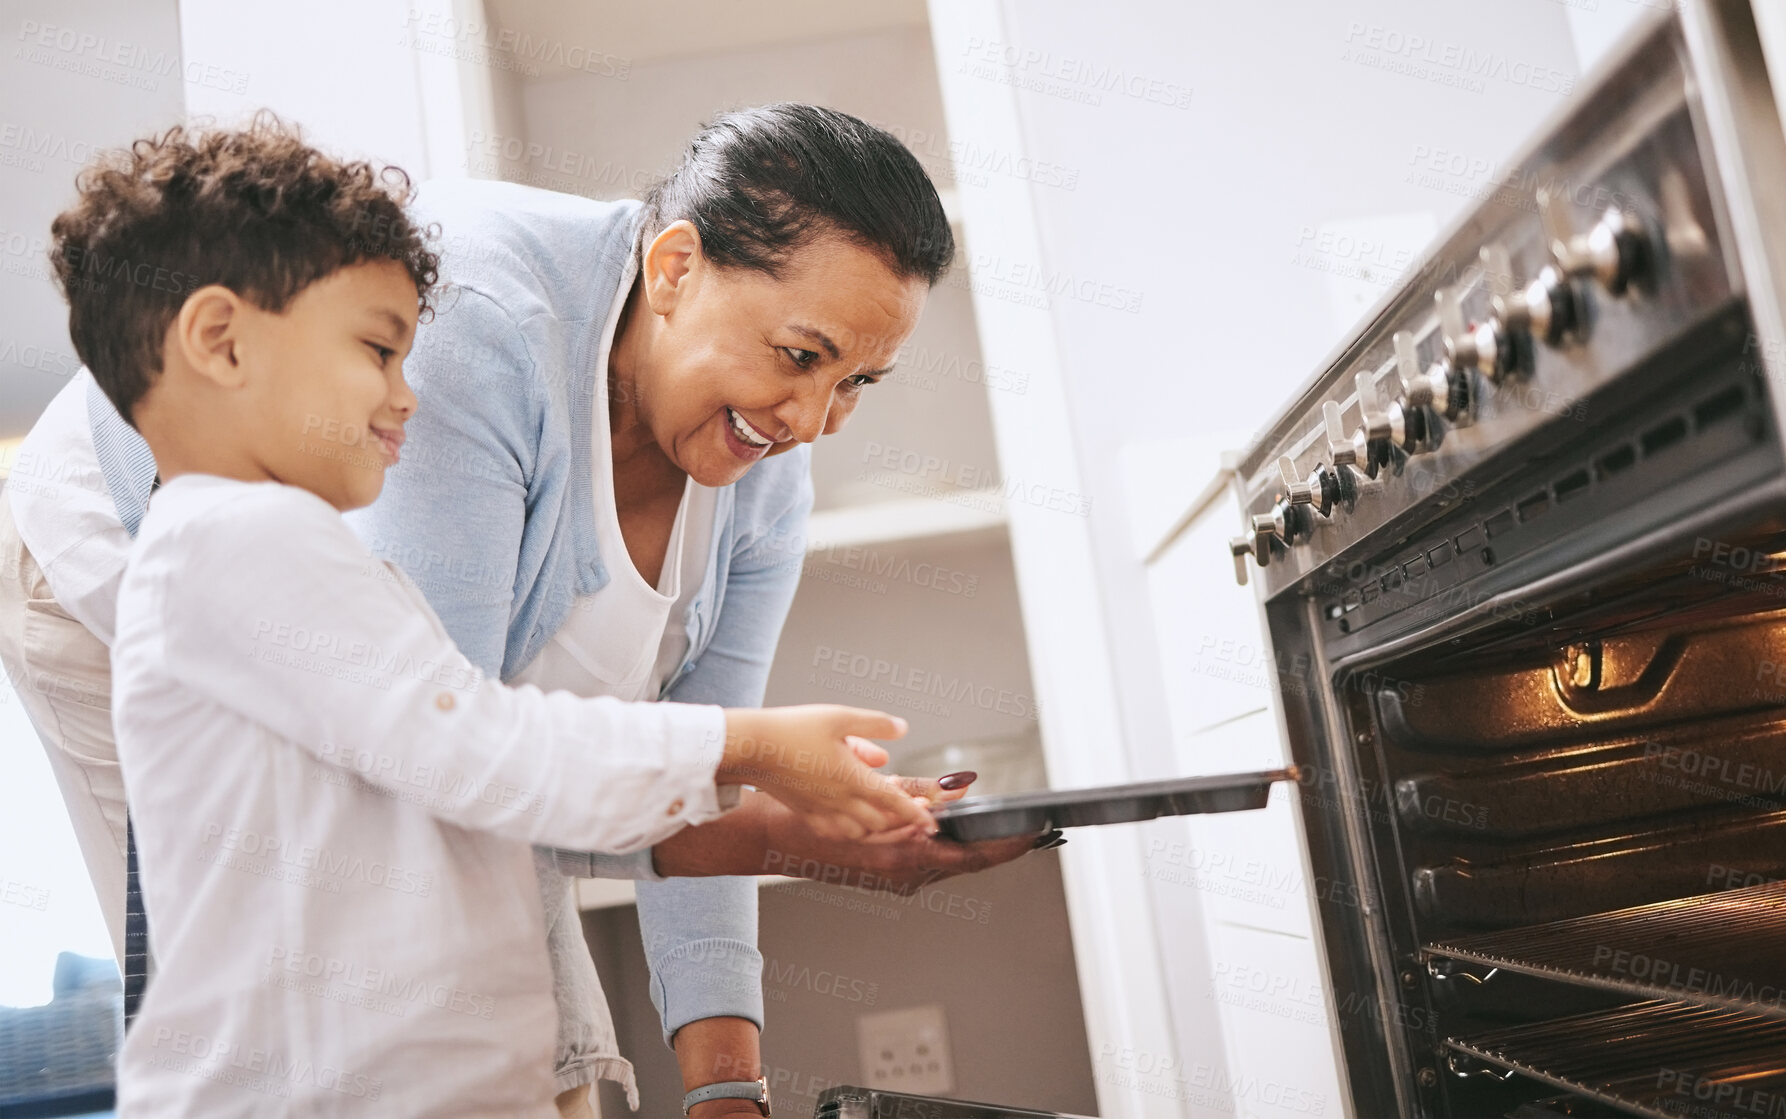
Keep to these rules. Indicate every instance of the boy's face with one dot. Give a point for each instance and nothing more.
(326, 401)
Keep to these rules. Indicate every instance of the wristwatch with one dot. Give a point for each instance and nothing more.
(756, 1091)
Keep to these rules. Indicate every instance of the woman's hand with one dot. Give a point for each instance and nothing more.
(901, 868)
(764, 836)
(805, 757)
(901, 862)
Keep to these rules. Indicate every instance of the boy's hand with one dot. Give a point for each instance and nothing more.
(930, 791)
(804, 757)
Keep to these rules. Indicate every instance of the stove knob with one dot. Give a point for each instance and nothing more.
(1425, 395)
(1345, 449)
(1241, 547)
(1324, 490)
(1384, 427)
(1268, 528)
(1484, 347)
(1546, 309)
(1296, 490)
(1336, 485)
(1293, 505)
(1685, 236)
(1463, 355)
(1287, 522)
(1614, 252)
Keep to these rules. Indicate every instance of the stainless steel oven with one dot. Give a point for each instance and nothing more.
(1528, 527)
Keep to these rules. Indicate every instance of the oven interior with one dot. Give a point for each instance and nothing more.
(1608, 733)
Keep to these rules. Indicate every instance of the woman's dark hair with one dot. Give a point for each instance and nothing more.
(254, 209)
(761, 184)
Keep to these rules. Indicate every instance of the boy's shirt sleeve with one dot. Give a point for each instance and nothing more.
(271, 608)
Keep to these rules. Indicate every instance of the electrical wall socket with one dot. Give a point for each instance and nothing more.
(906, 1050)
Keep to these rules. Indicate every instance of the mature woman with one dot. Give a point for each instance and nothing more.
(603, 490)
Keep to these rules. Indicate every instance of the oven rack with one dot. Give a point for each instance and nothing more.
(1719, 950)
(1657, 1059)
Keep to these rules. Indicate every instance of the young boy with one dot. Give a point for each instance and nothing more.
(333, 808)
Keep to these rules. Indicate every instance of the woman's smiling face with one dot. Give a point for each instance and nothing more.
(725, 366)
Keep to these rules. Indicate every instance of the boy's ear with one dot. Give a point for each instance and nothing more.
(206, 333)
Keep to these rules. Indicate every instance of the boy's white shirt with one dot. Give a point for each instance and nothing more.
(334, 811)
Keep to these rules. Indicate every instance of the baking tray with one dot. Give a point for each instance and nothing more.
(995, 817)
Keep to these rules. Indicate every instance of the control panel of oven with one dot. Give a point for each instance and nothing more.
(1527, 318)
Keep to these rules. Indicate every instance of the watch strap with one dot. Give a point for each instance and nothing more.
(756, 1091)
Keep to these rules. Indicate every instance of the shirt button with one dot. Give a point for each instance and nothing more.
(675, 807)
(444, 701)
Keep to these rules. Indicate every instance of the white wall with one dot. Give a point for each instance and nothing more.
(1208, 213)
(396, 81)
(76, 77)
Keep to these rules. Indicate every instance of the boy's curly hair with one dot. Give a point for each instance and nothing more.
(254, 209)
